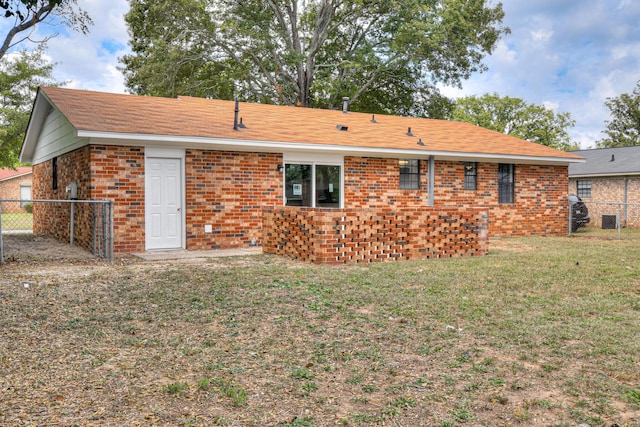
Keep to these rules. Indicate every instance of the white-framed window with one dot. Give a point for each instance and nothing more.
(25, 194)
(316, 183)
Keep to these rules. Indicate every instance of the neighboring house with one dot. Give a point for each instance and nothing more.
(324, 185)
(15, 185)
(609, 183)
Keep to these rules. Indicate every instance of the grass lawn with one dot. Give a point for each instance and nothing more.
(540, 332)
(17, 221)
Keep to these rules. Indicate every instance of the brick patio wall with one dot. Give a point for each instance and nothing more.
(337, 236)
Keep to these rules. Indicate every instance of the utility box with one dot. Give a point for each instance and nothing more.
(609, 222)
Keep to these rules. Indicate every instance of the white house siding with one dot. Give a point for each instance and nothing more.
(58, 136)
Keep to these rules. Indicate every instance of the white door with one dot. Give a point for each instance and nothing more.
(163, 203)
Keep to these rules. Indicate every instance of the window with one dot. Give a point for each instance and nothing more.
(470, 176)
(313, 185)
(584, 188)
(410, 174)
(505, 183)
(25, 194)
(54, 173)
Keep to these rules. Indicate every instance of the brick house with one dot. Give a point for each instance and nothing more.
(322, 185)
(609, 183)
(15, 185)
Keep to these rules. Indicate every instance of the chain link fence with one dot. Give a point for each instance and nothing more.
(606, 219)
(87, 224)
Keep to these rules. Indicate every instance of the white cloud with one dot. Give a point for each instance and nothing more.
(89, 61)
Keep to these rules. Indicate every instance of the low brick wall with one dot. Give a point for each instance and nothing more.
(336, 236)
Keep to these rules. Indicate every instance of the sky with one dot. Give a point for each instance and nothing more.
(569, 55)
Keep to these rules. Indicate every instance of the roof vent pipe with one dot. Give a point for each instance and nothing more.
(345, 104)
(613, 158)
(235, 116)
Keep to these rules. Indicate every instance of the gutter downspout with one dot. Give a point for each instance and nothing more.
(432, 175)
(626, 199)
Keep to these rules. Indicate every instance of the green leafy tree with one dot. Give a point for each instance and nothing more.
(624, 128)
(20, 75)
(386, 56)
(26, 14)
(513, 116)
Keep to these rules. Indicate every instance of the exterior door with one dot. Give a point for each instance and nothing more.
(163, 206)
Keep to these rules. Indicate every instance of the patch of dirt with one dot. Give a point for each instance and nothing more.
(36, 247)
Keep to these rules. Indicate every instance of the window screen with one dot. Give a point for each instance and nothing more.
(470, 176)
(410, 174)
(505, 183)
(584, 188)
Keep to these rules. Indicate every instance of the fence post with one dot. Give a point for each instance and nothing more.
(105, 234)
(111, 231)
(93, 226)
(619, 221)
(71, 225)
(570, 216)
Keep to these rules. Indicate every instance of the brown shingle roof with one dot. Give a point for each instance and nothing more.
(206, 118)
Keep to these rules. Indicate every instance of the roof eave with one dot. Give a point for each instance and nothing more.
(41, 105)
(110, 138)
(603, 175)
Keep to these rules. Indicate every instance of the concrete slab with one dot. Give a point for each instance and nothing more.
(182, 254)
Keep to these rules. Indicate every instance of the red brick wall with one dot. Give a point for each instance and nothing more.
(373, 182)
(228, 191)
(540, 204)
(117, 173)
(101, 173)
(54, 218)
(335, 236)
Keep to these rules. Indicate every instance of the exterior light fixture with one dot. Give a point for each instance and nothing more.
(280, 168)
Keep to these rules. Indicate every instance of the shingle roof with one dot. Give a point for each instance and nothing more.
(206, 118)
(607, 161)
(10, 173)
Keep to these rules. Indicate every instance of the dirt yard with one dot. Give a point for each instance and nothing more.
(34, 247)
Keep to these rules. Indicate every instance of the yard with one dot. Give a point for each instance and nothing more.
(541, 332)
(17, 221)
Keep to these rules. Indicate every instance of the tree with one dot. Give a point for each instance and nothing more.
(385, 55)
(20, 75)
(26, 14)
(624, 128)
(513, 116)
